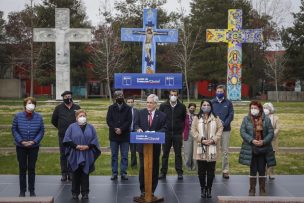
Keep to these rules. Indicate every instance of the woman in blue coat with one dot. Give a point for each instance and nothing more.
(82, 151)
(256, 151)
(28, 131)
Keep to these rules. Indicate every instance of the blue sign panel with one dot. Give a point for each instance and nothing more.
(148, 81)
(147, 138)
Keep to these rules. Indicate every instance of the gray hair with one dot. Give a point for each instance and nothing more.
(118, 93)
(269, 106)
(154, 97)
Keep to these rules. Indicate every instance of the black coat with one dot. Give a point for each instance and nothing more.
(119, 118)
(63, 117)
(175, 117)
(158, 123)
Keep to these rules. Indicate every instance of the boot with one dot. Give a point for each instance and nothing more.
(253, 182)
(203, 192)
(262, 185)
(208, 192)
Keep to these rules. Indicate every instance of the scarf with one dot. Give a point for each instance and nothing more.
(258, 127)
(210, 152)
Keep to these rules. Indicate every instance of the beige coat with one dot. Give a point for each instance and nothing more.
(213, 129)
(275, 124)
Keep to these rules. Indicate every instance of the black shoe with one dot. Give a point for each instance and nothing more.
(75, 196)
(208, 193)
(124, 177)
(203, 192)
(22, 194)
(32, 194)
(180, 177)
(85, 196)
(64, 178)
(69, 177)
(162, 176)
(226, 175)
(114, 177)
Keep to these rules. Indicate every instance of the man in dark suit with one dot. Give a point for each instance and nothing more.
(133, 147)
(150, 119)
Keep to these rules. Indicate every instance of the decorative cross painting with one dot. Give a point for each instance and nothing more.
(234, 36)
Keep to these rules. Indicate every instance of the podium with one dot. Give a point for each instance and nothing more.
(148, 139)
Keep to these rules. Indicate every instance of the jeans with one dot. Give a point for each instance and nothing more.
(177, 142)
(225, 139)
(124, 149)
(27, 158)
(258, 164)
(80, 182)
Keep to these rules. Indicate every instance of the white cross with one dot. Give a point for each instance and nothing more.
(62, 34)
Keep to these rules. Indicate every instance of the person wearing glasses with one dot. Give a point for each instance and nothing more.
(206, 131)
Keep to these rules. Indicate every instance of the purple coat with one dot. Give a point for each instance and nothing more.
(76, 157)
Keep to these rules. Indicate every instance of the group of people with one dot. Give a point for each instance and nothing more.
(201, 134)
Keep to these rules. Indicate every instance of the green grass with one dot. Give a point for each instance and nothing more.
(48, 164)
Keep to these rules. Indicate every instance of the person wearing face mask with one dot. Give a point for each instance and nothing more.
(119, 120)
(188, 139)
(269, 111)
(223, 108)
(206, 131)
(63, 116)
(82, 151)
(133, 147)
(28, 131)
(256, 151)
(175, 114)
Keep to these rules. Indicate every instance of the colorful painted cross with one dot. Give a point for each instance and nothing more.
(149, 35)
(234, 36)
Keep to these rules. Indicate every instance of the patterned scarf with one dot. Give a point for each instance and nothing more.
(258, 127)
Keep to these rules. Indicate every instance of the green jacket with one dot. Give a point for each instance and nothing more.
(248, 134)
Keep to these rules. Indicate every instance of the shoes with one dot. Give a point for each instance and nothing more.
(75, 196)
(22, 194)
(32, 194)
(64, 178)
(226, 175)
(180, 177)
(162, 176)
(114, 177)
(85, 196)
(124, 177)
(69, 177)
(271, 178)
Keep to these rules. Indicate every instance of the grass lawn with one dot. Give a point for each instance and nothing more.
(291, 115)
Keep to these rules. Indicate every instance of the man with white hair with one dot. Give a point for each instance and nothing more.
(150, 119)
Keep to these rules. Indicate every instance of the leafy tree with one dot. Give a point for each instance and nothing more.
(4, 51)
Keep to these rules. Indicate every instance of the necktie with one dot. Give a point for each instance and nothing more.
(150, 118)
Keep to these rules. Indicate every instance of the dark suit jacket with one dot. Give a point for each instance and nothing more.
(158, 124)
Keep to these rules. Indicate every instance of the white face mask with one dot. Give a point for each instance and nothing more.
(266, 111)
(30, 107)
(82, 120)
(173, 98)
(255, 112)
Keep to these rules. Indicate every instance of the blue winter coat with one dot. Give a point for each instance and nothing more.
(28, 129)
(248, 134)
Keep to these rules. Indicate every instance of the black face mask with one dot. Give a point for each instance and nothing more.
(119, 100)
(191, 111)
(67, 101)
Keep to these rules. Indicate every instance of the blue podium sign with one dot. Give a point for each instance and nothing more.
(148, 81)
(147, 138)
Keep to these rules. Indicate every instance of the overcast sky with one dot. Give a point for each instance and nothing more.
(93, 5)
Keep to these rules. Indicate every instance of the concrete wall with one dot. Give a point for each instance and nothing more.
(10, 88)
(286, 96)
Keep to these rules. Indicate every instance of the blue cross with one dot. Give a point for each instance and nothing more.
(149, 35)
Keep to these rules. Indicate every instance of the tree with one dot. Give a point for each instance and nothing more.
(183, 53)
(107, 51)
(293, 41)
(4, 51)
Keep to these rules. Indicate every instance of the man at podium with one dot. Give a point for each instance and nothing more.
(150, 119)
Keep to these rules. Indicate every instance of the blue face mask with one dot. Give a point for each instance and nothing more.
(220, 95)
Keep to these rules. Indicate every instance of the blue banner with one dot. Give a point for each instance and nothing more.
(147, 138)
(148, 81)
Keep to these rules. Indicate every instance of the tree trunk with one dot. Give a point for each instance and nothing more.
(276, 84)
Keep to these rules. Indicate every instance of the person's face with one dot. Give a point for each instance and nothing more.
(205, 104)
(219, 91)
(67, 96)
(151, 105)
(29, 102)
(82, 114)
(173, 94)
(192, 109)
(130, 102)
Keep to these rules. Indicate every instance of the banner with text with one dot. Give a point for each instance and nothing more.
(147, 137)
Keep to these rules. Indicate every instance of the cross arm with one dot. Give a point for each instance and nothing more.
(133, 34)
(79, 35)
(166, 36)
(216, 35)
(252, 35)
(44, 34)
